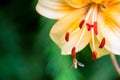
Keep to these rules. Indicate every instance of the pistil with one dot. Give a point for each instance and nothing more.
(94, 31)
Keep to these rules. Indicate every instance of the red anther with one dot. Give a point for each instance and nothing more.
(102, 44)
(67, 36)
(95, 28)
(94, 55)
(81, 23)
(73, 52)
(89, 26)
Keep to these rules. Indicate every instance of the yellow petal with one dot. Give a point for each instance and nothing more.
(54, 9)
(68, 24)
(77, 3)
(100, 51)
(110, 3)
(97, 1)
(113, 14)
(108, 28)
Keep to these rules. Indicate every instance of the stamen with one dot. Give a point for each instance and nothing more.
(73, 52)
(102, 44)
(95, 28)
(75, 63)
(81, 23)
(89, 26)
(67, 36)
(94, 55)
(86, 20)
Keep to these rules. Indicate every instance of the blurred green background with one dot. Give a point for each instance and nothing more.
(27, 52)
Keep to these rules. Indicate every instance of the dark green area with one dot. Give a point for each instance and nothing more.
(27, 52)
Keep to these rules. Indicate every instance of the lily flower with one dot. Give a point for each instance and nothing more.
(83, 22)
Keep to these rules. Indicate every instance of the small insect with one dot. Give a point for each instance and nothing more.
(75, 62)
(80, 64)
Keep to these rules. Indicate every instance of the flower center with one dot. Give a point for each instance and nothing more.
(89, 23)
(97, 1)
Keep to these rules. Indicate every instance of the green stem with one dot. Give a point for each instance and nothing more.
(115, 63)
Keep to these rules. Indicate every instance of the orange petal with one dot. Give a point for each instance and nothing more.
(77, 3)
